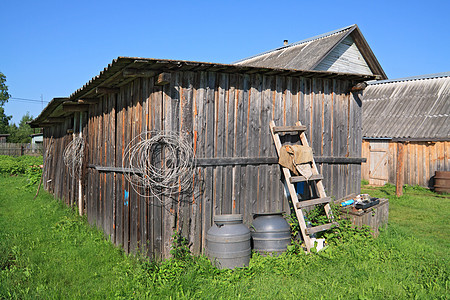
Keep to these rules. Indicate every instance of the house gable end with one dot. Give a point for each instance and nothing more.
(345, 57)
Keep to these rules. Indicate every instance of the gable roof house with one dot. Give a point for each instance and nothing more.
(412, 114)
(342, 50)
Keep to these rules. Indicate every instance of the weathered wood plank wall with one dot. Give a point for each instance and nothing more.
(420, 161)
(226, 115)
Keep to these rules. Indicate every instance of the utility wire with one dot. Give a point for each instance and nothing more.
(27, 100)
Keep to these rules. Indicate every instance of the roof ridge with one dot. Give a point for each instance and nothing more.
(314, 38)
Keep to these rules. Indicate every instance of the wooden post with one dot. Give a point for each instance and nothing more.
(399, 177)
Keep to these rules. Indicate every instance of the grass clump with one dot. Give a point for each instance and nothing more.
(47, 251)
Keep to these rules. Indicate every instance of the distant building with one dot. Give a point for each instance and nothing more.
(412, 113)
(3, 137)
(37, 140)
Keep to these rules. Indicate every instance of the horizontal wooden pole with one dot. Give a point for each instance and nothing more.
(113, 169)
(230, 161)
(224, 161)
(239, 161)
(339, 160)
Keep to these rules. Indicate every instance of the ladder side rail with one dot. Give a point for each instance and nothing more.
(319, 184)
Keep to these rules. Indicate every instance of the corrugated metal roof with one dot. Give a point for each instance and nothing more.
(308, 54)
(413, 108)
(298, 43)
(304, 55)
(419, 77)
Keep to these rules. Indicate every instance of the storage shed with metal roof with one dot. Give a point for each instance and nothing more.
(223, 114)
(411, 115)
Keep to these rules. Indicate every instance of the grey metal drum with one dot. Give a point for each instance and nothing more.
(270, 233)
(228, 242)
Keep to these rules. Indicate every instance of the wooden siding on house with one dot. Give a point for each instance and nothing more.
(345, 58)
(420, 161)
(226, 115)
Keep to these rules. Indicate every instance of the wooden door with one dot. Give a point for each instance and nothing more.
(378, 162)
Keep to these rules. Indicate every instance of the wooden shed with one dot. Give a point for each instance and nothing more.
(224, 111)
(407, 118)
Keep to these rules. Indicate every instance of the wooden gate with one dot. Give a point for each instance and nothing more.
(378, 162)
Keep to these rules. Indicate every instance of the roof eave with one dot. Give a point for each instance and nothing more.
(46, 112)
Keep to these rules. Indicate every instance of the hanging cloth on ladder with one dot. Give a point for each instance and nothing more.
(297, 158)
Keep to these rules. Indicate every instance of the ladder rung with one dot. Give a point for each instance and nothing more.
(278, 129)
(312, 230)
(295, 179)
(306, 203)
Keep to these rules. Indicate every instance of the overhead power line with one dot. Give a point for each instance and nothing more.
(27, 100)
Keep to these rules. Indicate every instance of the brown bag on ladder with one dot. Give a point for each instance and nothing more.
(297, 158)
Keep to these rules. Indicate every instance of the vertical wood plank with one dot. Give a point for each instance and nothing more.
(326, 134)
(119, 193)
(229, 200)
(242, 144)
(208, 207)
(199, 124)
(266, 180)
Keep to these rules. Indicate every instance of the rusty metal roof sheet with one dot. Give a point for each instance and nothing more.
(408, 108)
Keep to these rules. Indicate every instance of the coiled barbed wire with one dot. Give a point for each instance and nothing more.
(73, 155)
(161, 162)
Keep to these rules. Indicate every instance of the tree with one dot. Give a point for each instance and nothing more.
(4, 121)
(4, 96)
(22, 133)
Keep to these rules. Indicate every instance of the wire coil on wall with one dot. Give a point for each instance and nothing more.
(160, 162)
(73, 155)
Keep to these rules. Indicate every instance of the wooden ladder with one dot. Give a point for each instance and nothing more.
(315, 178)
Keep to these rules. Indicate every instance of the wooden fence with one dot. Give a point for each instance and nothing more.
(14, 149)
(421, 159)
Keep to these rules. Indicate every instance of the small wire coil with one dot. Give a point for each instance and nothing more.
(159, 163)
(73, 156)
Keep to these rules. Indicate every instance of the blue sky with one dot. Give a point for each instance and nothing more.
(52, 48)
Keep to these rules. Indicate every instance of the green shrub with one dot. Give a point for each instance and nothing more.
(27, 165)
(18, 165)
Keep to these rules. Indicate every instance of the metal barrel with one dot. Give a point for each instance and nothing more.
(270, 233)
(228, 242)
(442, 182)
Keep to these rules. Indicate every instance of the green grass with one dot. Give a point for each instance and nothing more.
(47, 252)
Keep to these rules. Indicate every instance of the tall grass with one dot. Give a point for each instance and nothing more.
(47, 251)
